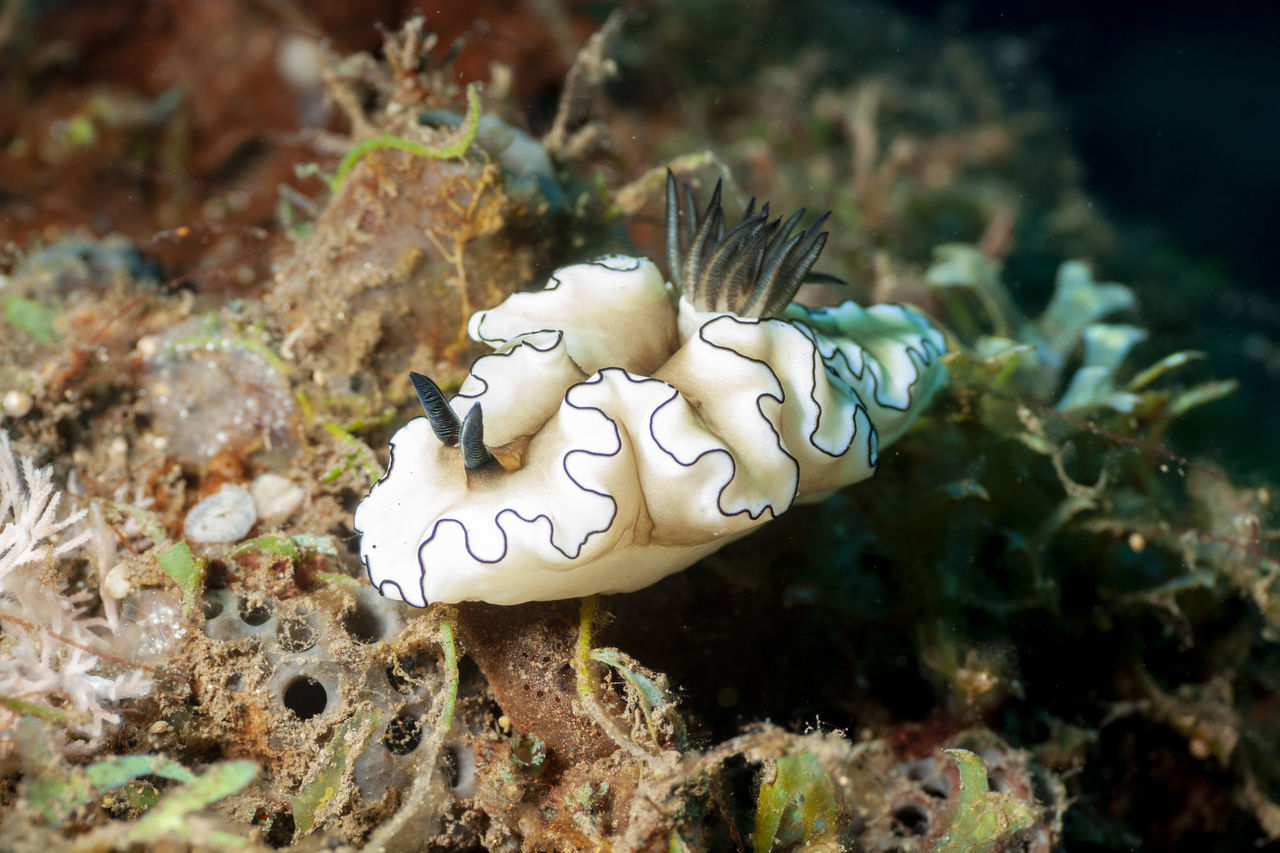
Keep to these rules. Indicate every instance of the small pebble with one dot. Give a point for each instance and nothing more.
(16, 404)
(148, 346)
(275, 497)
(302, 61)
(226, 516)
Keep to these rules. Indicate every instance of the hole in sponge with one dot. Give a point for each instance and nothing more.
(296, 634)
(913, 817)
(459, 763)
(277, 827)
(254, 614)
(364, 623)
(448, 764)
(404, 733)
(928, 774)
(408, 673)
(305, 697)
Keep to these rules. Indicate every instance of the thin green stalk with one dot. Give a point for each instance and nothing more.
(450, 673)
(461, 142)
(586, 618)
(30, 708)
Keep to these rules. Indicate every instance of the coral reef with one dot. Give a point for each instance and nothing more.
(233, 230)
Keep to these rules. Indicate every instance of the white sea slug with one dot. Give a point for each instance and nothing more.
(625, 427)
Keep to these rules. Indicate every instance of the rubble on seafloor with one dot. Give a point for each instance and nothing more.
(190, 654)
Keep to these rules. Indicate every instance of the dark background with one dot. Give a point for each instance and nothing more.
(1174, 108)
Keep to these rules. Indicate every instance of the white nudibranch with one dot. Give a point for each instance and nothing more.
(623, 428)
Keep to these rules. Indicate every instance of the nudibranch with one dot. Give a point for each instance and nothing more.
(625, 427)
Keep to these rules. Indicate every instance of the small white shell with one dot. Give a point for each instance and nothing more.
(225, 516)
(118, 582)
(275, 498)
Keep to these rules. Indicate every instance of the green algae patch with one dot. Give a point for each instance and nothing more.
(984, 818)
(169, 816)
(56, 794)
(281, 546)
(34, 318)
(147, 520)
(322, 792)
(55, 789)
(180, 564)
(797, 806)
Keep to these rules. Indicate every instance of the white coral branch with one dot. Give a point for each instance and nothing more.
(47, 640)
(30, 515)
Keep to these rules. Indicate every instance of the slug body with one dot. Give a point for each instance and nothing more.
(627, 433)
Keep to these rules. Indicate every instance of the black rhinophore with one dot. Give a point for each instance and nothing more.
(474, 453)
(444, 422)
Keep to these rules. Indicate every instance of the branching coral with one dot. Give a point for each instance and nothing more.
(625, 427)
(30, 515)
(47, 656)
